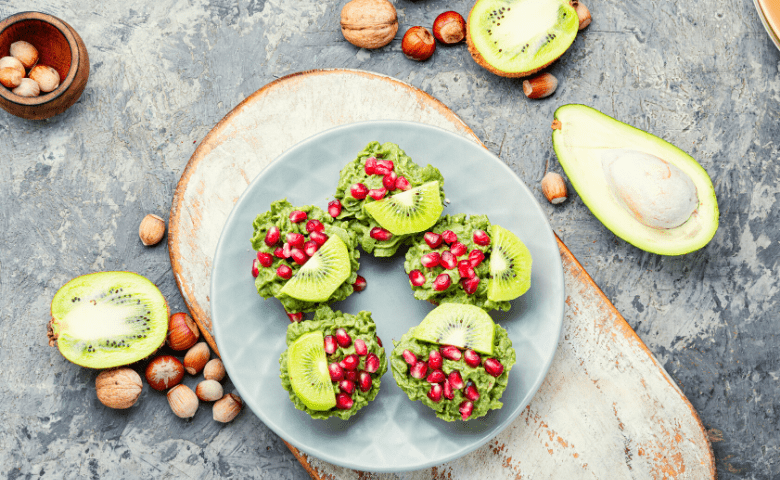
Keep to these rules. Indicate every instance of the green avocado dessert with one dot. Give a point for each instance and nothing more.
(304, 257)
(456, 361)
(385, 197)
(467, 260)
(333, 364)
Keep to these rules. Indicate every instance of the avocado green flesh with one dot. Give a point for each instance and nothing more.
(585, 137)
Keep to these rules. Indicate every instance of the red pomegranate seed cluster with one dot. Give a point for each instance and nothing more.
(444, 385)
(449, 259)
(349, 371)
(296, 246)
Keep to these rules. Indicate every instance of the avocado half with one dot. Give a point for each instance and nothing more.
(588, 145)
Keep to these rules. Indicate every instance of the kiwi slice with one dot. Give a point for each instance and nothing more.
(307, 367)
(108, 319)
(410, 211)
(461, 325)
(510, 266)
(322, 274)
(515, 38)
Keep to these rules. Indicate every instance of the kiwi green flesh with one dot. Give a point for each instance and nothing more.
(408, 212)
(322, 274)
(510, 266)
(521, 36)
(307, 366)
(108, 319)
(460, 325)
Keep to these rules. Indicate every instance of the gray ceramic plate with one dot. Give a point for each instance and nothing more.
(392, 433)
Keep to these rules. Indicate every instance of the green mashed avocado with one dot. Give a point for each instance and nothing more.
(490, 388)
(463, 227)
(357, 326)
(268, 283)
(353, 211)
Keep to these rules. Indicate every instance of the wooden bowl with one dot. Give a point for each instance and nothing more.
(60, 47)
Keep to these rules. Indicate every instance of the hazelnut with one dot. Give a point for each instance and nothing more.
(369, 23)
(554, 188)
(214, 370)
(182, 332)
(209, 390)
(48, 78)
(25, 53)
(196, 358)
(152, 228)
(583, 14)
(119, 387)
(418, 44)
(164, 372)
(183, 401)
(10, 77)
(449, 28)
(11, 62)
(226, 408)
(27, 88)
(540, 86)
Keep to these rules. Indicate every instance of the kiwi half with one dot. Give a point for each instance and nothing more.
(108, 319)
(307, 367)
(510, 266)
(322, 274)
(408, 212)
(515, 38)
(460, 325)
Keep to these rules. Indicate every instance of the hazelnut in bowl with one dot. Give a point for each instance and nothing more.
(53, 58)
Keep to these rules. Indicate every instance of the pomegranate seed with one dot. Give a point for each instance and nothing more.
(266, 259)
(295, 240)
(402, 184)
(297, 216)
(450, 353)
(493, 367)
(471, 393)
(435, 392)
(383, 167)
(448, 393)
(370, 166)
(351, 375)
(330, 344)
(319, 237)
(336, 372)
(314, 225)
(364, 381)
(360, 284)
(448, 260)
(430, 260)
(272, 236)
(465, 409)
(343, 401)
(255, 267)
(458, 249)
(279, 252)
(455, 380)
(360, 347)
(372, 363)
(436, 376)
(449, 236)
(465, 269)
(417, 278)
(432, 239)
(343, 338)
(442, 282)
(359, 191)
(472, 358)
(298, 256)
(334, 208)
(377, 193)
(435, 360)
(475, 257)
(350, 362)
(379, 233)
(480, 238)
(389, 181)
(284, 271)
(379, 341)
(347, 386)
(419, 370)
(310, 247)
(286, 250)
(409, 357)
(470, 285)
(295, 317)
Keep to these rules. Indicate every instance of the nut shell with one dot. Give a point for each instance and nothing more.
(554, 188)
(196, 358)
(119, 387)
(183, 401)
(418, 43)
(151, 230)
(583, 13)
(10, 77)
(226, 408)
(540, 86)
(209, 390)
(25, 53)
(27, 88)
(11, 62)
(214, 370)
(183, 333)
(164, 372)
(46, 77)
(449, 27)
(369, 23)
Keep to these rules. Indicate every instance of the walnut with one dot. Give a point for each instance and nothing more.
(369, 23)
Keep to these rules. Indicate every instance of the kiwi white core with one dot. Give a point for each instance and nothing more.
(526, 21)
(98, 321)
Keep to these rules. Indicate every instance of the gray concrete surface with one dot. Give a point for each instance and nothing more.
(703, 75)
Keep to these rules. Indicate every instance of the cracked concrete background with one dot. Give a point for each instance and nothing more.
(703, 75)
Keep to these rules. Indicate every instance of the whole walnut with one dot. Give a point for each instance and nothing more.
(369, 23)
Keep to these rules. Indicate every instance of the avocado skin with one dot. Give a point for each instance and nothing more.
(579, 132)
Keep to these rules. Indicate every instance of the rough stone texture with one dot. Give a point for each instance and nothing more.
(73, 189)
